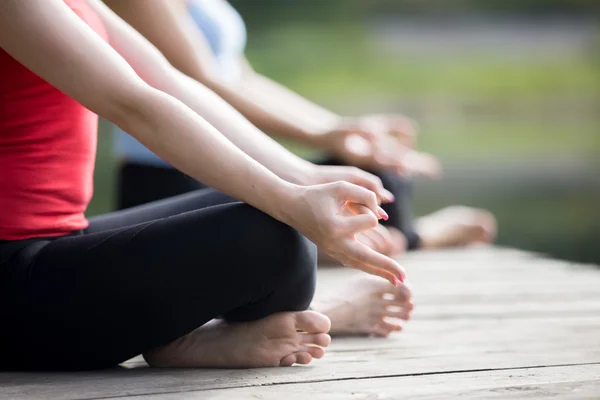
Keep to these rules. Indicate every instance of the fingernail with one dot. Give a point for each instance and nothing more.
(400, 278)
(395, 281)
(382, 213)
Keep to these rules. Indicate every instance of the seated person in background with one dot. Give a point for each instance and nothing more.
(205, 40)
(199, 280)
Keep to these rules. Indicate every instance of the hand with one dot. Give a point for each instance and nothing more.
(379, 141)
(399, 127)
(319, 213)
(384, 240)
(318, 174)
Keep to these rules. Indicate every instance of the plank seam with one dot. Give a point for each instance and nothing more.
(465, 371)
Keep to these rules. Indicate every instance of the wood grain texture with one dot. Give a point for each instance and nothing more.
(488, 323)
(573, 382)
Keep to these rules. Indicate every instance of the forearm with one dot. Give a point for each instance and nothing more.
(235, 127)
(47, 37)
(272, 113)
(169, 27)
(311, 119)
(192, 145)
(154, 69)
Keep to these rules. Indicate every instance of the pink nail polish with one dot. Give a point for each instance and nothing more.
(382, 213)
(395, 281)
(400, 278)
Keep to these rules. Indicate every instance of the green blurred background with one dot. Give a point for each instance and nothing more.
(507, 95)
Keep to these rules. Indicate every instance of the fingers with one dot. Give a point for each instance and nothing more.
(378, 239)
(387, 244)
(404, 129)
(371, 182)
(421, 164)
(366, 134)
(357, 223)
(358, 209)
(360, 195)
(363, 237)
(392, 158)
(388, 276)
(364, 257)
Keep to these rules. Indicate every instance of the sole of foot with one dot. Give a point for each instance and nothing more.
(281, 339)
(456, 226)
(367, 306)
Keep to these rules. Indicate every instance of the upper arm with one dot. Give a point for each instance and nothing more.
(167, 26)
(53, 42)
(142, 56)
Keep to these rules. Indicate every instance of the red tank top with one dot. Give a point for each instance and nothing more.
(47, 150)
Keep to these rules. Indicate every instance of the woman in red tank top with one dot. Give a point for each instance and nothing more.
(77, 294)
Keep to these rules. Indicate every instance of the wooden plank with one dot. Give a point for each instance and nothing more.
(462, 278)
(427, 347)
(510, 309)
(477, 309)
(570, 382)
(541, 288)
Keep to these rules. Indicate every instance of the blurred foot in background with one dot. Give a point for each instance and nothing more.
(456, 226)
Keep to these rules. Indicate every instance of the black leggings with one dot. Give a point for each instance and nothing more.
(140, 278)
(141, 183)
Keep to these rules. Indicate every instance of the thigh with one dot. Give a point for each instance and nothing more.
(158, 209)
(95, 300)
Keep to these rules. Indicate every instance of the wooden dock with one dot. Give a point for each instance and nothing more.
(489, 323)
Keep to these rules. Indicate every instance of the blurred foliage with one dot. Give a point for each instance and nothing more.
(262, 14)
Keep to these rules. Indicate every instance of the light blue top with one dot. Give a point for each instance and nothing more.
(225, 32)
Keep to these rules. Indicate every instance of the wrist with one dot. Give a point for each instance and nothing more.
(283, 199)
(301, 173)
(319, 135)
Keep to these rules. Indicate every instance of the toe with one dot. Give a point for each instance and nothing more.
(490, 224)
(312, 322)
(303, 358)
(288, 360)
(482, 223)
(477, 234)
(390, 326)
(402, 294)
(401, 313)
(315, 352)
(379, 332)
(401, 299)
(317, 339)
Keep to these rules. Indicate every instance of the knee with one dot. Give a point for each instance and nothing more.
(290, 260)
(298, 259)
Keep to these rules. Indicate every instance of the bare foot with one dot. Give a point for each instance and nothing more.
(382, 239)
(456, 226)
(278, 340)
(365, 307)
